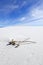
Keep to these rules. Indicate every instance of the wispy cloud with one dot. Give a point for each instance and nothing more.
(37, 13)
(38, 10)
(24, 3)
(33, 16)
(36, 22)
(9, 8)
(22, 19)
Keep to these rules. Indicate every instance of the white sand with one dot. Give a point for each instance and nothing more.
(30, 54)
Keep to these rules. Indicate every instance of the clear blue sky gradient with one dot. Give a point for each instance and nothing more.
(21, 12)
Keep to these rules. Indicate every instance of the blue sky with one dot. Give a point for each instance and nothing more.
(21, 12)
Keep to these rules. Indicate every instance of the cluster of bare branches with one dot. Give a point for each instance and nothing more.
(18, 43)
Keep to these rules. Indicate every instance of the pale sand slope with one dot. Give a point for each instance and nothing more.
(30, 54)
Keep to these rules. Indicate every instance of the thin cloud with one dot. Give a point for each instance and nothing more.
(22, 19)
(36, 22)
(38, 10)
(37, 13)
(24, 3)
(33, 16)
(9, 8)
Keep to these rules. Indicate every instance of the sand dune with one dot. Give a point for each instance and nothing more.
(31, 54)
